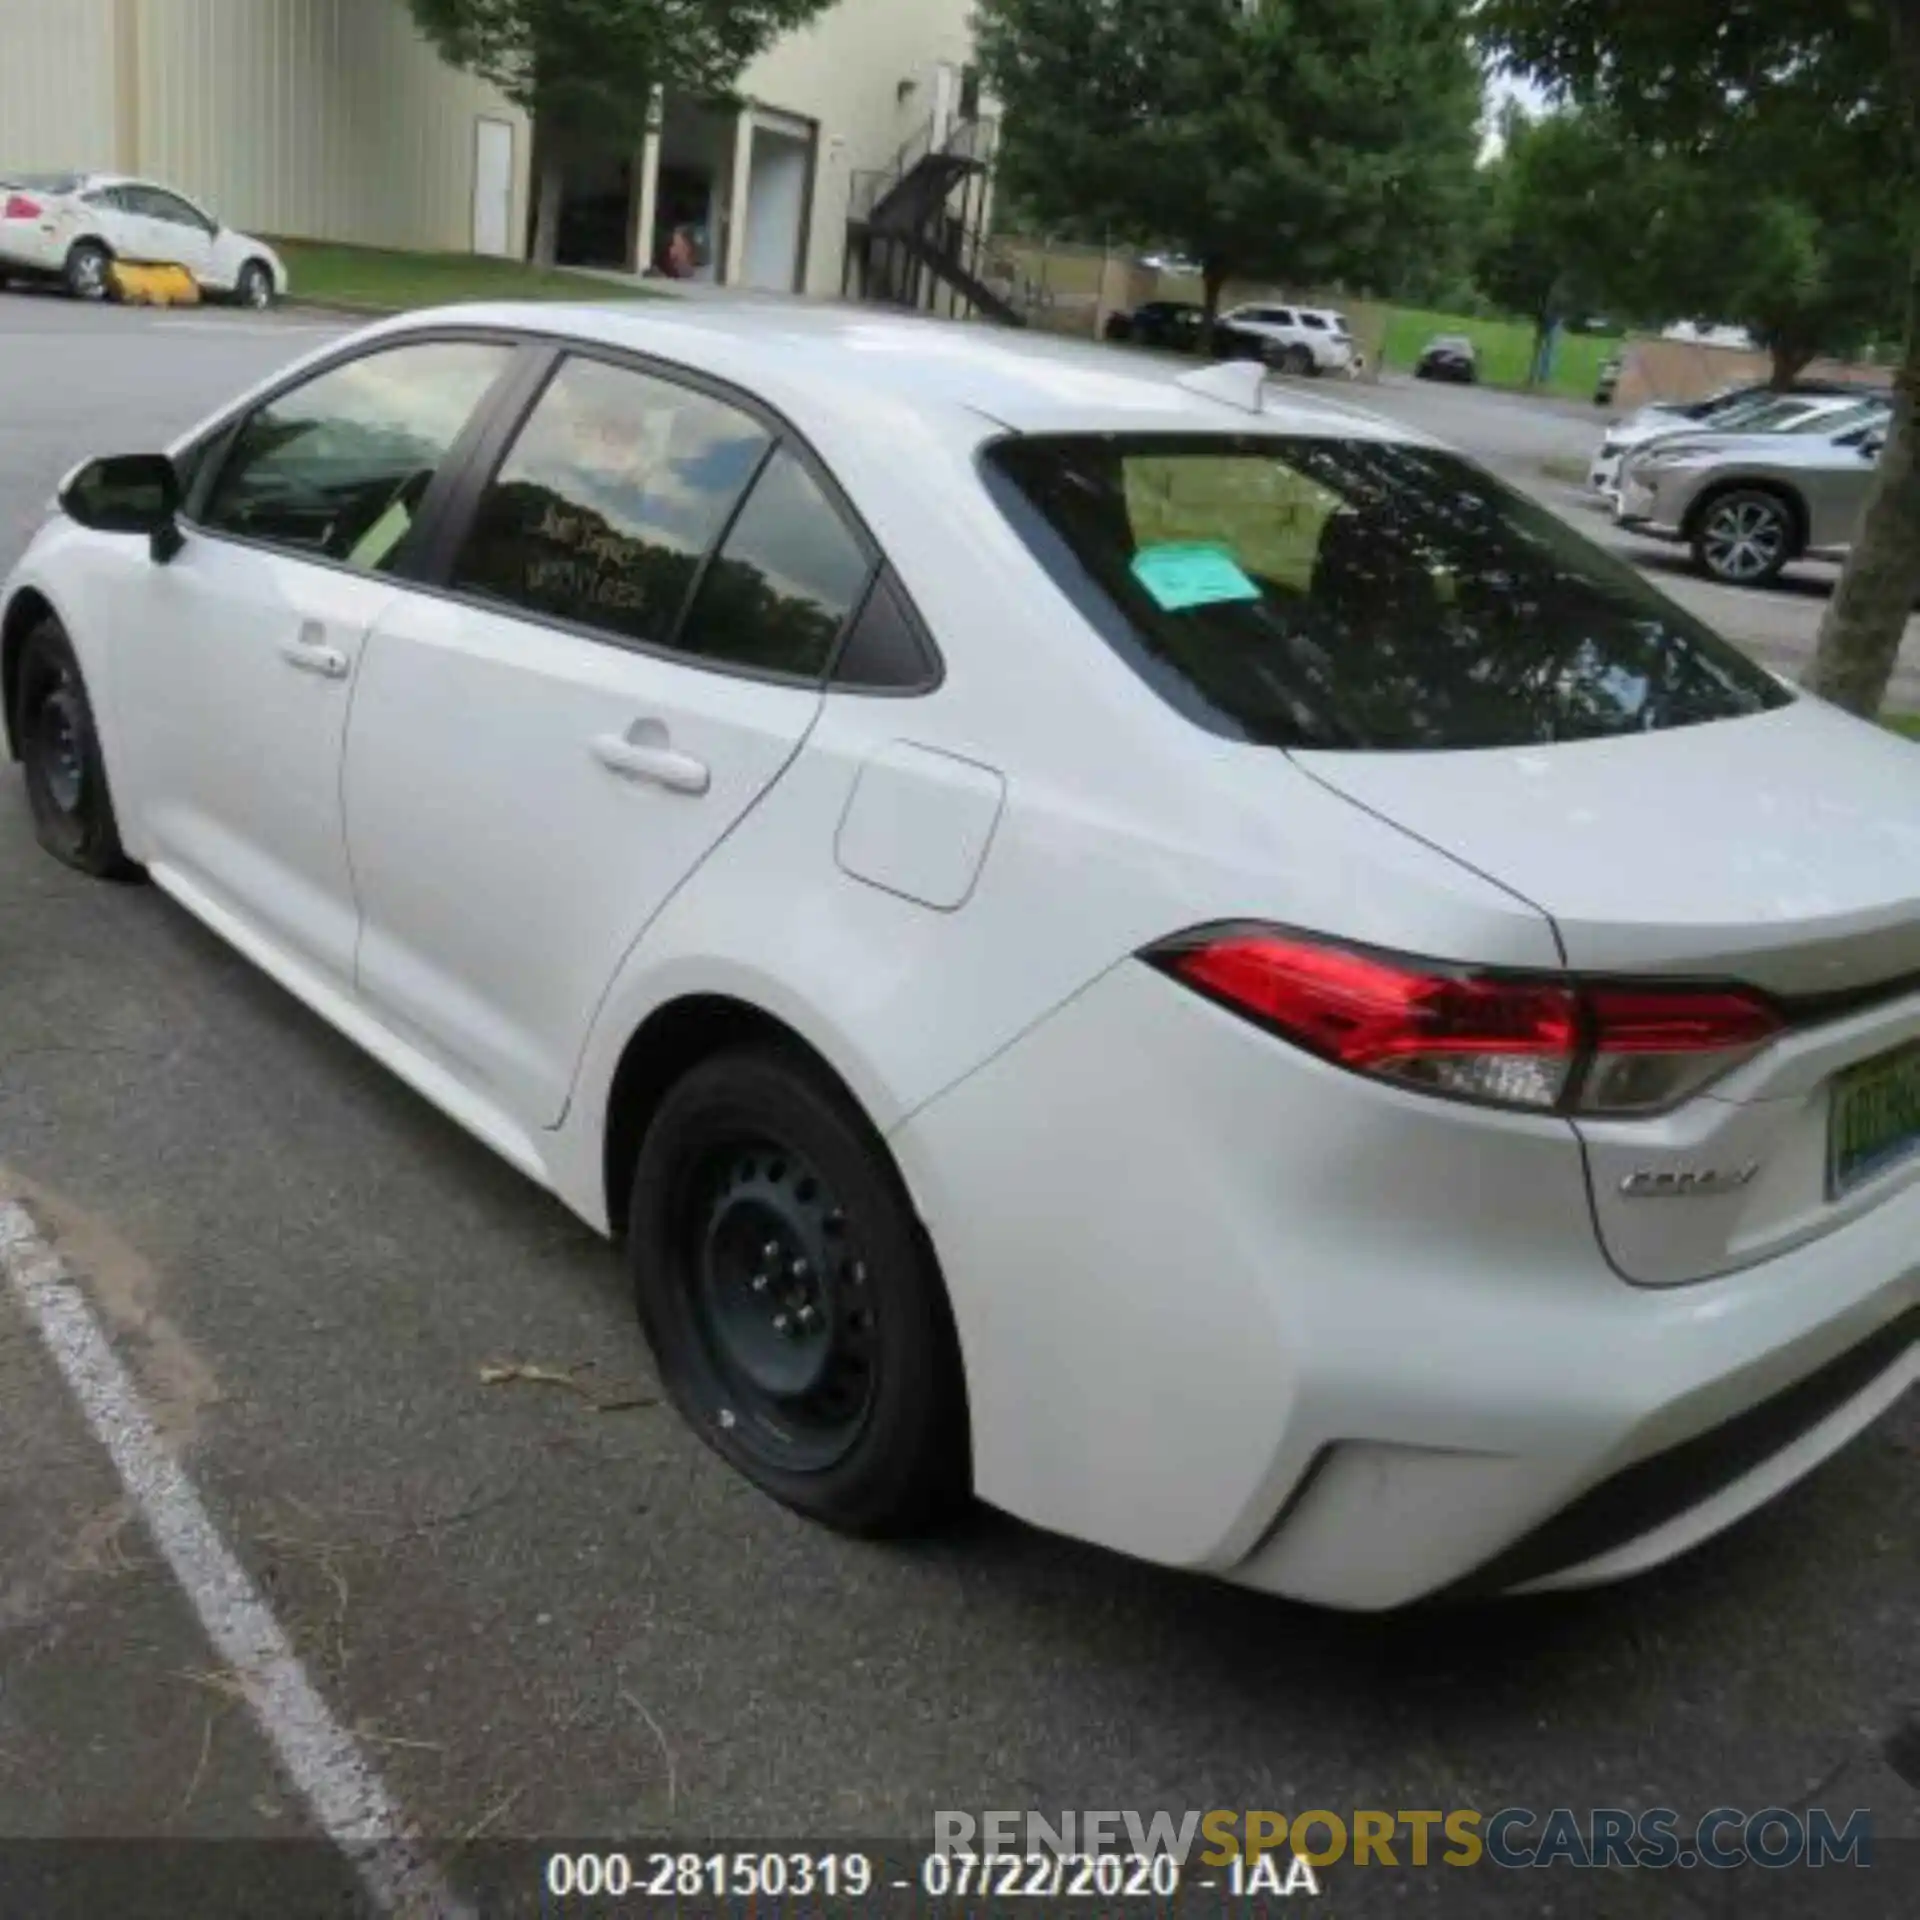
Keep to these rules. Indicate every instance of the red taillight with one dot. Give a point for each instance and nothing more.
(1515, 1041)
(19, 207)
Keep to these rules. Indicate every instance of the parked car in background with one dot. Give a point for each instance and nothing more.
(1172, 324)
(1748, 503)
(1448, 356)
(1739, 410)
(72, 227)
(1302, 340)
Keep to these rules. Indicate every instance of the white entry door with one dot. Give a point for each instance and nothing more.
(493, 188)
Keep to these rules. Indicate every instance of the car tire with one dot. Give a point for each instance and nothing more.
(67, 790)
(1298, 361)
(1743, 536)
(792, 1299)
(254, 286)
(88, 272)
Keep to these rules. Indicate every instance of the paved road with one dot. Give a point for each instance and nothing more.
(539, 1618)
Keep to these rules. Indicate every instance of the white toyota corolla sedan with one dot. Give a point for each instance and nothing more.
(1190, 963)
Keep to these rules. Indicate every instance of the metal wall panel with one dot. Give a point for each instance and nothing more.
(325, 119)
(56, 85)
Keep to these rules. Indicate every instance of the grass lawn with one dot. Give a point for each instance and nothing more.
(372, 277)
(1506, 346)
(1908, 723)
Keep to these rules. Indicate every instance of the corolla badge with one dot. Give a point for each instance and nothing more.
(1686, 1183)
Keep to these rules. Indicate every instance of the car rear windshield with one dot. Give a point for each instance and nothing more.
(1368, 595)
(56, 183)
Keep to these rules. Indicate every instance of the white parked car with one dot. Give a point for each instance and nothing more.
(1301, 340)
(71, 228)
(1742, 410)
(1194, 964)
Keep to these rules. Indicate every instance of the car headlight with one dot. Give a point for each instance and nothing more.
(1666, 459)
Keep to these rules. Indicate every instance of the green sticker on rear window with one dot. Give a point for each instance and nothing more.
(1184, 574)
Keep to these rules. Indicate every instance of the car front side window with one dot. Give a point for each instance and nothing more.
(337, 468)
(610, 500)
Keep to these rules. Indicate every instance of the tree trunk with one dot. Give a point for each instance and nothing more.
(1790, 361)
(1213, 276)
(1866, 620)
(552, 193)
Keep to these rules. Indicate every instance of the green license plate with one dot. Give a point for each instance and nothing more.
(1876, 1119)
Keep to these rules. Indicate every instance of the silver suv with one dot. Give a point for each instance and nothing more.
(1749, 503)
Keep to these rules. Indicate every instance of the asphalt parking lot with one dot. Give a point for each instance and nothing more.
(541, 1608)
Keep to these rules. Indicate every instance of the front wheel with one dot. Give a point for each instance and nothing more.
(1744, 537)
(791, 1298)
(255, 288)
(67, 790)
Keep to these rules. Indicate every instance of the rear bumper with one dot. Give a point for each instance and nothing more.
(1229, 1309)
(24, 249)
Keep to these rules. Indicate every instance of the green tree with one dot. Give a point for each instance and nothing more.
(586, 70)
(1715, 79)
(1326, 140)
(1561, 216)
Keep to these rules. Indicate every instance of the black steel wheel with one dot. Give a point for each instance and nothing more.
(791, 1298)
(59, 747)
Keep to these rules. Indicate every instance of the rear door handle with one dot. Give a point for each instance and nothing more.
(310, 654)
(643, 754)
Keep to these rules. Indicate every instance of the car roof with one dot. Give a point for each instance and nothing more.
(812, 360)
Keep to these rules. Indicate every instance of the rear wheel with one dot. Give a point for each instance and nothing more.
(1744, 537)
(88, 273)
(1297, 360)
(792, 1301)
(67, 788)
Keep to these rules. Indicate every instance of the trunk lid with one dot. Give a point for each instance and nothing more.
(1781, 851)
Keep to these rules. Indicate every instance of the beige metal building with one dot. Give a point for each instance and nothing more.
(333, 119)
(329, 119)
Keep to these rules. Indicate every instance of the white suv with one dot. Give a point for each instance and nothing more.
(1298, 339)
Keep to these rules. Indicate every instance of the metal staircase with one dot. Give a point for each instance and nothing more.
(914, 228)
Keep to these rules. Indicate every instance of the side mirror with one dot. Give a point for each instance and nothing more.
(128, 493)
(1873, 446)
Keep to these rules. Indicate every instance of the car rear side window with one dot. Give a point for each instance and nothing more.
(337, 467)
(610, 500)
(1358, 594)
(784, 582)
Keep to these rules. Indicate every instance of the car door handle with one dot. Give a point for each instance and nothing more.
(310, 655)
(643, 754)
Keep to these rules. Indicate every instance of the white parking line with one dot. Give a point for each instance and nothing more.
(339, 1784)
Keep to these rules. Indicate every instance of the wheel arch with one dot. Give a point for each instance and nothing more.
(674, 1038)
(1779, 489)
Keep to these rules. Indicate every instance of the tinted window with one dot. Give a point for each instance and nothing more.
(160, 205)
(338, 468)
(610, 499)
(884, 651)
(1314, 321)
(1334, 593)
(782, 586)
(41, 182)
